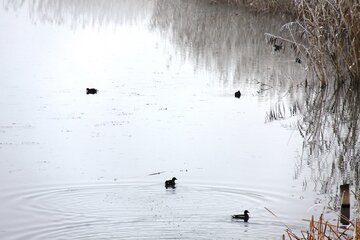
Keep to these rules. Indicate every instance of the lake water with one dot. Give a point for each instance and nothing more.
(78, 166)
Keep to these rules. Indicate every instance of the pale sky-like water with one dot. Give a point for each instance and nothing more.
(77, 166)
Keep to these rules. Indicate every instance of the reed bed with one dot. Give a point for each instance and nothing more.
(324, 34)
(323, 230)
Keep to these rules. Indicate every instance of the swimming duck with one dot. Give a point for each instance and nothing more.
(237, 94)
(91, 90)
(244, 216)
(170, 183)
(277, 47)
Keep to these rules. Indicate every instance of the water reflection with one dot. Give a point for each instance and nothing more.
(223, 40)
(328, 121)
(330, 127)
(229, 41)
(82, 13)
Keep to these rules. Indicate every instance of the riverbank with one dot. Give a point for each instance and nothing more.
(324, 35)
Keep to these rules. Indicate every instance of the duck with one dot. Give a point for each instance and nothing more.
(237, 94)
(170, 183)
(277, 47)
(91, 90)
(244, 216)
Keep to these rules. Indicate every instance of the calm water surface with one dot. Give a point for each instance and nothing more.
(77, 166)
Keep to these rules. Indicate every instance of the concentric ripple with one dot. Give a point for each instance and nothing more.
(136, 210)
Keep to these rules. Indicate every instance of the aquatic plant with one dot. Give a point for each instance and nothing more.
(323, 230)
(325, 33)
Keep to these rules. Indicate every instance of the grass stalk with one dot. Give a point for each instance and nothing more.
(327, 32)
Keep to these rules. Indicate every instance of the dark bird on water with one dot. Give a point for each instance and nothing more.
(277, 47)
(237, 94)
(244, 216)
(91, 90)
(170, 183)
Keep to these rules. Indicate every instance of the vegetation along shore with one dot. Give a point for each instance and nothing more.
(324, 34)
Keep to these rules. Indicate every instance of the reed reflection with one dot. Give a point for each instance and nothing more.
(228, 41)
(328, 121)
(83, 13)
(231, 43)
(330, 127)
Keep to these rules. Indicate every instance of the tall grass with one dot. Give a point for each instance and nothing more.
(324, 33)
(323, 230)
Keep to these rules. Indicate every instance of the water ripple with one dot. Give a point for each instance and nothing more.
(136, 210)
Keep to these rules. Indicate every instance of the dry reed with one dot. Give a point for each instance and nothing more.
(325, 33)
(323, 230)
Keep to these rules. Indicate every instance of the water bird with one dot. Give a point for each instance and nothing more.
(170, 183)
(277, 47)
(91, 90)
(244, 216)
(297, 60)
(237, 94)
